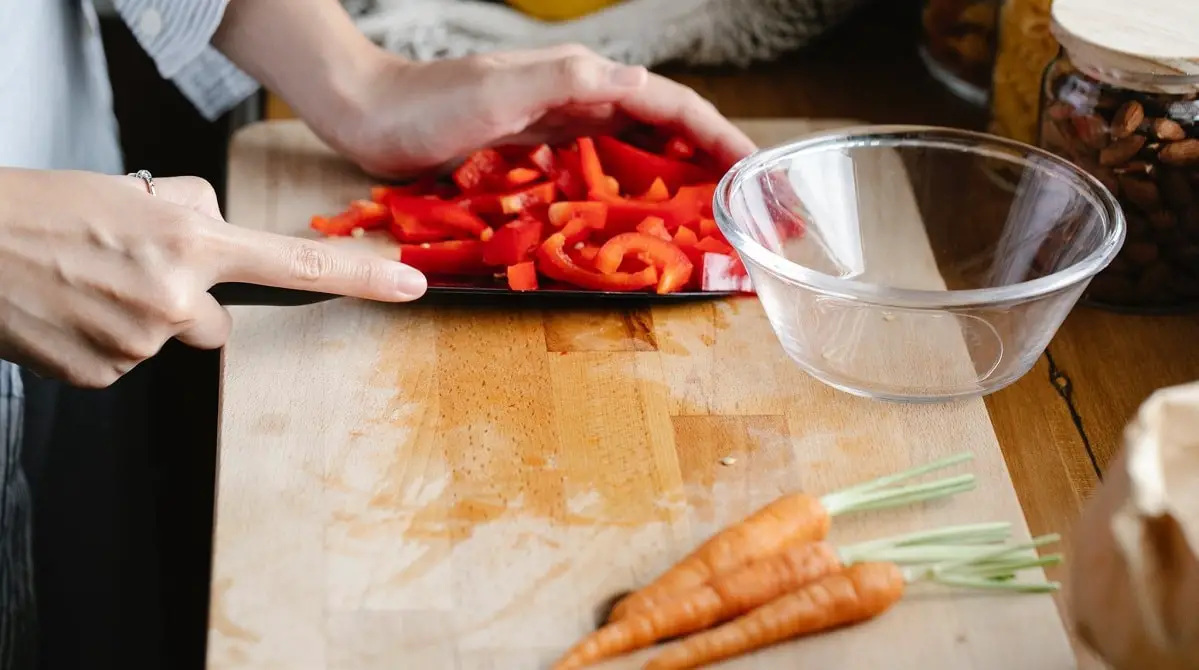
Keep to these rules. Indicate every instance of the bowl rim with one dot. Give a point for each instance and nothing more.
(916, 135)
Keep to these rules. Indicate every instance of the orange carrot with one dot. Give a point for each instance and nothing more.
(856, 594)
(731, 594)
(725, 597)
(859, 593)
(796, 517)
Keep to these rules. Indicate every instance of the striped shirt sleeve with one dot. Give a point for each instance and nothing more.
(177, 35)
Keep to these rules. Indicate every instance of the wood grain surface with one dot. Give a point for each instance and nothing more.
(465, 487)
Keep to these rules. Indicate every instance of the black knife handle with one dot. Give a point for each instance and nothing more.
(230, 294)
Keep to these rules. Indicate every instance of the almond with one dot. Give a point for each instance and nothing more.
(1175, 188)
(1140, 192)
(1141, 253)
(1135, 167)
(1127, 119)
(1165, 129)
(1090, 130)
(1182, 153)
(1121, 151)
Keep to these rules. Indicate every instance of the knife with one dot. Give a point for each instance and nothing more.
(233, 294)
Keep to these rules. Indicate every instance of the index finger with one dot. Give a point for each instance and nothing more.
(663, 102)
(256, 257)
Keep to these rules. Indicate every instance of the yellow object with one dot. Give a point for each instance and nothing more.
(1025, 49)
(560, 10)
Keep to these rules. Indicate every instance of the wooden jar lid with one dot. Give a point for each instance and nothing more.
(1144, 38)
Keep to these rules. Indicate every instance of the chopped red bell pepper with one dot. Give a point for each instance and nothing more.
(577, 230)
(636, 169)
(371, 215)
(593, 171)
(522, 276)
(408, 228)
(711, 245)
(625, 214)
(685, 237)
(568, 175)
(655, 227)
(437, 213)
(673, 264)
(478, 168)
(452, 257)
(678, 148)
(561, 213)
(719, 272)
(657, 192)
(519, 176)
(513, 242)
(542, 158)
(555, 263)
(514, 203)
(700, 194)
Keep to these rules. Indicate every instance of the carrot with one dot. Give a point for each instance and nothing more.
(796, 517)
(857, 594)
(731, 594)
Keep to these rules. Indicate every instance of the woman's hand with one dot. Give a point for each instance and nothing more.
(98, 274)
(412, 116)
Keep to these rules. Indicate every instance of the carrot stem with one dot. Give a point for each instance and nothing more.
(912, 473)
(929, 546)
(896, 496)
(992, 570)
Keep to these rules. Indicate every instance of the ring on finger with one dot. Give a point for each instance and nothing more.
(145, 176)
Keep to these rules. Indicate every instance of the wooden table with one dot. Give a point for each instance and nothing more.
(1060, 425)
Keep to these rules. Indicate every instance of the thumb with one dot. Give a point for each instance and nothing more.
(578, 77)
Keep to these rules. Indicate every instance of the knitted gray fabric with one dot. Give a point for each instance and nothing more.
(646, 32)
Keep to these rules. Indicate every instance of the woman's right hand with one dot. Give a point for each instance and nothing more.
(96, 274)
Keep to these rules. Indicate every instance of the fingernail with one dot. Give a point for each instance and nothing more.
(410, 282)
(628, 75)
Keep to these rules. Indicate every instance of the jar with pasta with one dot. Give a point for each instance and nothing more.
(1025, 46)
(959, 45)
(1122, 102)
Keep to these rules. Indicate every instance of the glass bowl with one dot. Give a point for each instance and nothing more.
(892, 264)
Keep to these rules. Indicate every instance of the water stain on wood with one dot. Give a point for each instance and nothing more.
(218, 618)
(599, 330)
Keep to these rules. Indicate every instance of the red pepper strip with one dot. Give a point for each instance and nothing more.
(555, 263)
(587, 254)
(514, 203)
(425, 185)
(561, 213)
(636, 169)
(478, 168)
(685, 237)
(577, 230)
(657, 192)
(708, 228)
(711, 245)
(454, 257)
(625, 214)
(434, 212)
(568, 175)
(408, 228)
(542, 158)
(520, 176)
(338, 225)
(718, 272)
(678, 149)
(593, 170)
(673, 263)
(522, 276)
(371, 215)
(513, 243)
(655, 227)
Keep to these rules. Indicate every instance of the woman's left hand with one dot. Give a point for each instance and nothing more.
(409, 117)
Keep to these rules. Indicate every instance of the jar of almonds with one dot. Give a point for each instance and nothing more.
(959, 45)
(1122, 102)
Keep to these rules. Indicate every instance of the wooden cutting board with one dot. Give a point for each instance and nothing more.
(422, 486)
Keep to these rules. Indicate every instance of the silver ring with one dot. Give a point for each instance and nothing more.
(145, 176)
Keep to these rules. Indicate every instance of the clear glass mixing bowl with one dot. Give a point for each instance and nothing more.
(893, 265)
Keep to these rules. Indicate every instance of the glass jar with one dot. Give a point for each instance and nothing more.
(1138, 133)
(1024, 48)
(958, 45)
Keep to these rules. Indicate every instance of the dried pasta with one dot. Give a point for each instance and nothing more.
(1026, 48)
